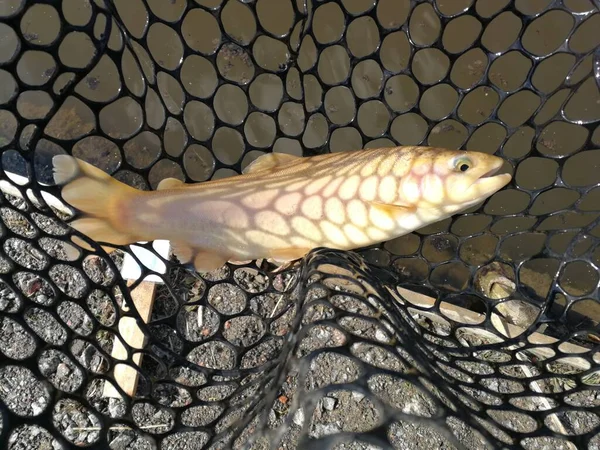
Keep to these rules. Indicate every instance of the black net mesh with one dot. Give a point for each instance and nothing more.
(477, 332)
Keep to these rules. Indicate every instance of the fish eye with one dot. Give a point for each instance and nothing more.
(463, 164)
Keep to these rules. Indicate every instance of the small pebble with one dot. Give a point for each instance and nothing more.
(36, 408)
(358, 396)
(323, 334)
(329, 403)
(121, 442)
(115, 407)
(299, 417)
(326, 429)
(92, 437)
(381, 336)
(62, 371)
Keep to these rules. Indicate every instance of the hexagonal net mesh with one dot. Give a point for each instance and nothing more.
(479, 331)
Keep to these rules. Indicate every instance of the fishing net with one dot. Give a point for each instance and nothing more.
(479, 331)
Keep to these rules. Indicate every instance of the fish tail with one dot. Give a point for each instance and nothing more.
(105, 203)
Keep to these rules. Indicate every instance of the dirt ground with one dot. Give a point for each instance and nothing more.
(244, 324)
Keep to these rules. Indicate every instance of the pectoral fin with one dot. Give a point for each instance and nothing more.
(393, 211)
(269, 161)
(170, 183)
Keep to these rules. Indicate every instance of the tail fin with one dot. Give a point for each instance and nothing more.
(102, 199)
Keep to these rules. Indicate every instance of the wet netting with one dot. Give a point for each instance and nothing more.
(480, 331)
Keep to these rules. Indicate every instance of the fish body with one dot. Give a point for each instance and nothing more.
(283, 206)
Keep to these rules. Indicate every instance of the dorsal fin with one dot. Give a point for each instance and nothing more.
(170, 183)
(269, 161)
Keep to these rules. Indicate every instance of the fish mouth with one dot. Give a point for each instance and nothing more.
(489, 182)
(495, 168)
(490, 172)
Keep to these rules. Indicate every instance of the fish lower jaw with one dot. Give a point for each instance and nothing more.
(492, 183)
(477, 192)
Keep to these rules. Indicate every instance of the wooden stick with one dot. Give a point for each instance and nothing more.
(143, 298)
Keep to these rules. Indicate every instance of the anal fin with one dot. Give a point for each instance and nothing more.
(208, 261)
(284, 255)
(202, 260)
(183, 252)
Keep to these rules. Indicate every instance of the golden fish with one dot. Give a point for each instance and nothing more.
(283, 206)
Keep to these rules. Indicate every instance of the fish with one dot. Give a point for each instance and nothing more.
(282, 206)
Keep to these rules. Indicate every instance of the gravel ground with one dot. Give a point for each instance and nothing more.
(244, 324)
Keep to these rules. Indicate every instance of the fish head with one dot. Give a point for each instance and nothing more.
(453, 180)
